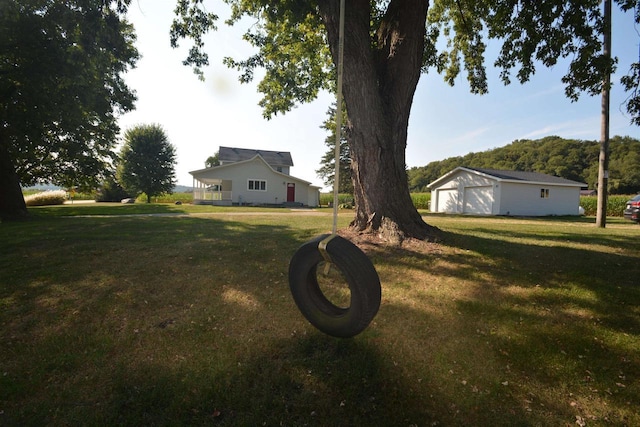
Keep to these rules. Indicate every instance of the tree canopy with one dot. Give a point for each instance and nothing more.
(213, 160)
(61, 88)
(292, 45)
(147, 161)
(567, 158)
(387, 45)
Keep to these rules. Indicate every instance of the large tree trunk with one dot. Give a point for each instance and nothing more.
(378, 88)
(12, 204)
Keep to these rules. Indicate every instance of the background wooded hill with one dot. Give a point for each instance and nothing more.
(568, 158)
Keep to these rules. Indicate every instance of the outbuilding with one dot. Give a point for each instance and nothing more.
(499, 192)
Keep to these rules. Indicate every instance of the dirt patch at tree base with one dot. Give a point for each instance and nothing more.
(372, 242)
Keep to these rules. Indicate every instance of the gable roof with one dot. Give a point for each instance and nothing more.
(527, 176)
(197, 173)
(512, 176)
(273, 158)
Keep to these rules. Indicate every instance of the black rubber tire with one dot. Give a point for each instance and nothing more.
(360, 275)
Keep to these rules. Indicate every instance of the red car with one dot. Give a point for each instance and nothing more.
(632, 209)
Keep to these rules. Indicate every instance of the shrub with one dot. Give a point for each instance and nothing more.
(111, 191)
(46, 198)
(186, 197)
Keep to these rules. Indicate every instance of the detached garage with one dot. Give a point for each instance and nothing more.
(499, 192)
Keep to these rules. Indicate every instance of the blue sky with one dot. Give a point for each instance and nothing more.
(446, 121)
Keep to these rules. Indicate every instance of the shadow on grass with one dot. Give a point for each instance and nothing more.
(119, 209)
(616, 242)
(96, 209)
(563, 281)
(53, 266)
(311, 379)
(167, 321)
(610, 273)
(562, 317)
(81, 296)
(302, 380)
(189, 321)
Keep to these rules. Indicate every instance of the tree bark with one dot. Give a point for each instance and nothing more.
(12, 204)
(378, 88)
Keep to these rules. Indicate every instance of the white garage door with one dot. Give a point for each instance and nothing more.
(478, 200)
(447, 200)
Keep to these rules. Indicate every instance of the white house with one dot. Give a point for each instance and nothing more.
(252, 177)
(498, 192)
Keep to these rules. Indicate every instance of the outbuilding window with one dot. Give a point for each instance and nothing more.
(544, 193)
(257, 185)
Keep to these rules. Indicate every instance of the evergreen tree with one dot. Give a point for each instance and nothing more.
(327, 171)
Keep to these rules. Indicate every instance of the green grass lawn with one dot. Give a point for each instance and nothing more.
(113, 318)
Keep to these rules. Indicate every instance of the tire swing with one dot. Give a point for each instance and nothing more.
(310, 268)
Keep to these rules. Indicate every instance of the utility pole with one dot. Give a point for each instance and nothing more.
(603, 160)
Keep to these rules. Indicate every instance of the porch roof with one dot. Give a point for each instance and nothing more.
(209, 181)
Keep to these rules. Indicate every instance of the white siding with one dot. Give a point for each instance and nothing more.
(240, 173)
(313, 196)
(524, 199)
(446, 200)
(450, 195)
(478, 200)
(467, 192)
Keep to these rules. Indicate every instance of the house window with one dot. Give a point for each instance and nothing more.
(279, 169)
(544, 193)
(257, 185)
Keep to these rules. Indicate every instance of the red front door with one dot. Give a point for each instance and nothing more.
(291, 192)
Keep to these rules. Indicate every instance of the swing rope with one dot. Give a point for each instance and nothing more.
(336, 175)
(356, 268)
(322, 246)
